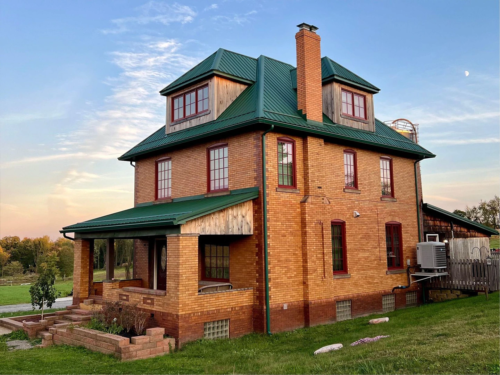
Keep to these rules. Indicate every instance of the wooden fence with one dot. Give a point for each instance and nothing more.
(469, 274)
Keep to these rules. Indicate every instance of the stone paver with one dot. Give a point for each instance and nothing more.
(19, 345)
(4, 331)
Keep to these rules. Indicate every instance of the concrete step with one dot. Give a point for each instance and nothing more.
(65, 325)
(44, 335)
(61, 313)
(77, 318)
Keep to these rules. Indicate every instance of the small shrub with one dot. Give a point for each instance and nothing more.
(13, 268)
(114, 328)
(140, 319)
(97, 324)
(127, 316)
(18, 335)
(111, 311)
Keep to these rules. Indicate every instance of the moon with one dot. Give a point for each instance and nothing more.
(466, 73)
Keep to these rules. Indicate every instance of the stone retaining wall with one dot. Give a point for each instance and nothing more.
(139, 347)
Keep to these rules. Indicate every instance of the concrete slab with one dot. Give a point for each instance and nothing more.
(4, 331)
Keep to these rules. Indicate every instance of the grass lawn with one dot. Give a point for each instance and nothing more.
(12, 295)
(495, 242)
(458, 336)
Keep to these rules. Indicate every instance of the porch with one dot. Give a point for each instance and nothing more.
(197, 269)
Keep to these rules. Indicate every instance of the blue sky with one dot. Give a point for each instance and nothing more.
(80, 84)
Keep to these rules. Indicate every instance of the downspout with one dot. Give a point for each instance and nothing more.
(417, 200)
(264, 203)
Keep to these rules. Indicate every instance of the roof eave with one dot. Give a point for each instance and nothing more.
(168, 90)
(117, 227)
(334, 77)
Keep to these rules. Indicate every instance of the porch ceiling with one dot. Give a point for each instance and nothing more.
(175, 213)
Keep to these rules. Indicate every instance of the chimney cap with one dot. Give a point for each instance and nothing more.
(308, 27)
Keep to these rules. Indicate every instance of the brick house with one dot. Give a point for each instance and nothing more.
(212, 257)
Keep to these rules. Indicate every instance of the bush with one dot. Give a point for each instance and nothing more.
(13, 268)
(114, 317)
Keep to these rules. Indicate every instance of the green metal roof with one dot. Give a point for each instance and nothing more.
(272, 100)
(433, 210)
(151, 215)
(333, 71)
(224, 63)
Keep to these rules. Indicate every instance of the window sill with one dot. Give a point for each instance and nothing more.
(352, 191)
(347, 117)
(189, 118)
(395, 272)
(217, 193)
(163, 200)
(287, 190)
(341, 275)
(388, 199)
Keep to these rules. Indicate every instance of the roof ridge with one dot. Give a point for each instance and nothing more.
(237, 53)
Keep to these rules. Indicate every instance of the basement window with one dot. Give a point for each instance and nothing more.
(216, 330)
(353, 105)
(343, 310)
(389, 302)
(411, 299)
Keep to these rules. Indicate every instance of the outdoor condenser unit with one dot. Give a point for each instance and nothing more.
(431, 255)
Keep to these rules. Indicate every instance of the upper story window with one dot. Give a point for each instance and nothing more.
(386, 177)
(163, 178)
(353, 104)
(339, 250)
(190, 103)
(286, 163)
(394, 244)
(350, 169)
(218, 167)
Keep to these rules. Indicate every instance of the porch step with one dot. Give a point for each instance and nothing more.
(61, 321)
(77, 318)
(61, 313)
(72, 307)
(81, 312)
(66, 325)
(88, 302)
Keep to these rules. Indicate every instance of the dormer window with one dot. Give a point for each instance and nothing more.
(189, 104)
(353, 105)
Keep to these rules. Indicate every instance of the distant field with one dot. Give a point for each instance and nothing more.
(12, 295)
(495, 242)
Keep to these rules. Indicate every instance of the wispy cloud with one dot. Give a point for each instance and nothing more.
(154, 12)
(211, 7)
(235, 19)
(468, 141)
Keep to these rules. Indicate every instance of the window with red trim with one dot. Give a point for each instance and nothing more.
(190, 103)
(350, 169)
(218, 168)
(216, 262)
(394, 245)
(339, 250)
(353, 104)
(286, 163)
(386, 177)
(163, 178)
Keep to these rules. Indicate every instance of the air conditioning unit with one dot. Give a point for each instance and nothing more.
(431, 255)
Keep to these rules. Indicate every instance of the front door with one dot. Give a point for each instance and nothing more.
(161, 264)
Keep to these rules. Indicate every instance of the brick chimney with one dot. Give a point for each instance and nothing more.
(309, 86)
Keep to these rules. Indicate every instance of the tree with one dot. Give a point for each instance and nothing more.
(4, 258)
(13, 268)
(460, 213)
(9, 242)
(43, 292)
(486, 213)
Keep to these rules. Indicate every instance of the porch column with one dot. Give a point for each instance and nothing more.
(91, 267)
(110, 258)
(81, 270)
(182, 270)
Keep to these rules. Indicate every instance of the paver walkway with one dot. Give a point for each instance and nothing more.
(60, 303)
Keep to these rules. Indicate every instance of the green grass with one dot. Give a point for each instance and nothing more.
(12, 295)
(458, 337)
(21, 313)
(495, 242)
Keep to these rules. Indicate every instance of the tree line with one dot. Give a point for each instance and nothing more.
(30, 255)
(486, 213)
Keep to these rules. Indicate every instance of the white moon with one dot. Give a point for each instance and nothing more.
(466, 73)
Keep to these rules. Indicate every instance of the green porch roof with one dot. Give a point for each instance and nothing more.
(272, 100)
(433, 210)
(149, 215)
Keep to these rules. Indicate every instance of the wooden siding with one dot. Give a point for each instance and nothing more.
(221, 93)
(237, 219)
(442, 227)
(332, 107)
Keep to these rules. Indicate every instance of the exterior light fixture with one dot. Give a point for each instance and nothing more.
(356, 214)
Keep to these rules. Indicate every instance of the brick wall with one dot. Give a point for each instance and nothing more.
(81, 269)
